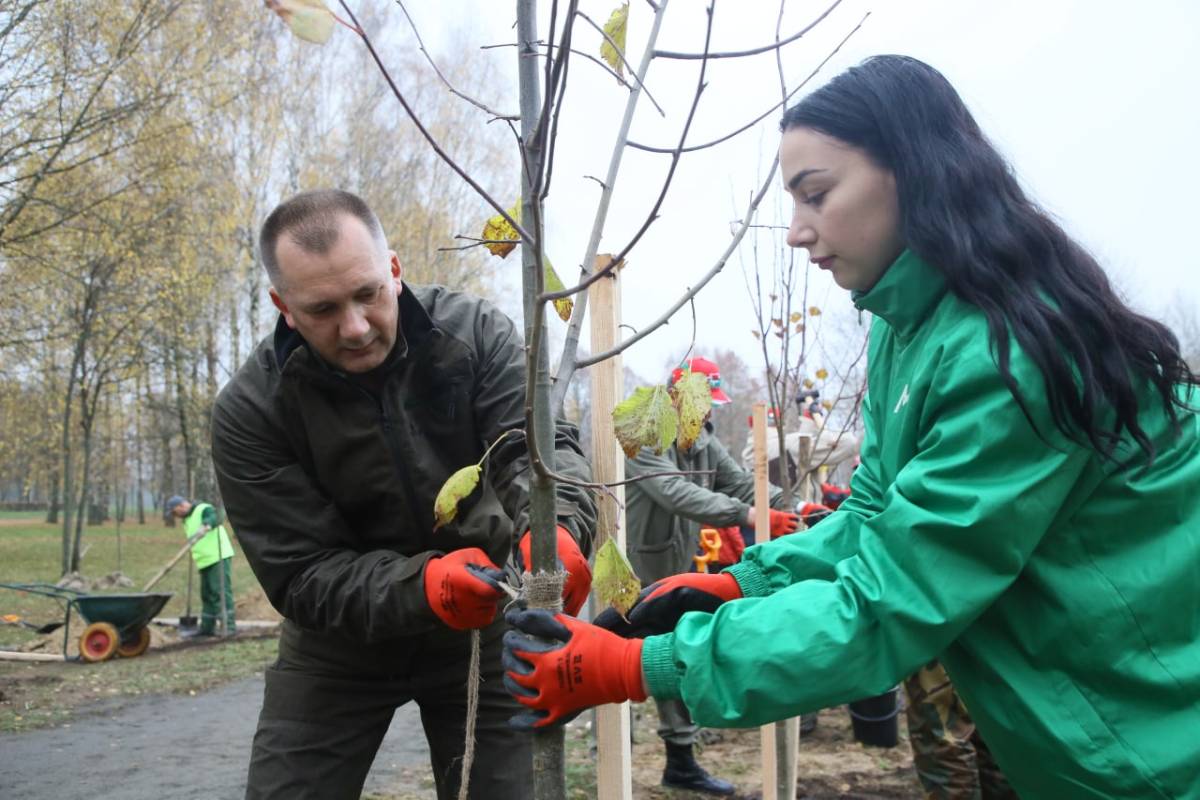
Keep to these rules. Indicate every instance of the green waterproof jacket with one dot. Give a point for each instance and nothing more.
(330, 479)
(663, 514)
(212, 547)
(1061, 592)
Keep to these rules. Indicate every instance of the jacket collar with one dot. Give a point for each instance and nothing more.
(905, 295)
(414, 324)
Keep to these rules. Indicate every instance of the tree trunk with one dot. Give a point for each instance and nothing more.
(139, 447)
(184, 425)
(52, 500)
(549, 769)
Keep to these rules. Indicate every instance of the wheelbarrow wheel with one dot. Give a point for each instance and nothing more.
(136, 645)
(98, 641)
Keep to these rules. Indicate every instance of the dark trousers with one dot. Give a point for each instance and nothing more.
(210, 596)
(318, 733)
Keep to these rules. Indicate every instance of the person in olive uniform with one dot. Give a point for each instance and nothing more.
(330, 444)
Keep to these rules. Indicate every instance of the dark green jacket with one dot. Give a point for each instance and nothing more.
(663, 515)
(331, 487)
(1061, 593)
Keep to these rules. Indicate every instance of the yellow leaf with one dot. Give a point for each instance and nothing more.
(693, 398)
(813, 311)
(822, 374)
(456, 487)
(308, 19)
(554, 283)
(645, 419)
(825, 404)
(756, 334)
(615, 28)
(778, 323)
(796, 316)
(497, 228)
(808, 384)
(613, 578)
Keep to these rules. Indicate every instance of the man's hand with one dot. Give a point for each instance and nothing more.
(570, 558)
(463, 588)
(662, 603)
(580, 667)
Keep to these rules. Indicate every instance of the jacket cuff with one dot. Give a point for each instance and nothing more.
(750, 578)
(658, 667)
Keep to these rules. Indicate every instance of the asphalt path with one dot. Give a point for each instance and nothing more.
(172, 746)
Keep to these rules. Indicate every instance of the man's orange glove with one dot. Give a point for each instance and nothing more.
(579, 667)
(462, 588)
(570, 558)
(783, 523)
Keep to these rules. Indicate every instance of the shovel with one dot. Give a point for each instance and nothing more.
(13, 619)
(187, 621)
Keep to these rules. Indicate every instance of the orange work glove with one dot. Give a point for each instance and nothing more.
(579, 667)
(783, 523)
(570, 558)
(662, 603)
(812, 513)
(462, 588)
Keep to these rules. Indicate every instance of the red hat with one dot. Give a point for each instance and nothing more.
(705, 367)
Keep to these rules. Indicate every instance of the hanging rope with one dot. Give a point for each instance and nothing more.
(543, 590)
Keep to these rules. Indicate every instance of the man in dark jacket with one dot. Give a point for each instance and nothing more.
(663, 516)
(330, 445)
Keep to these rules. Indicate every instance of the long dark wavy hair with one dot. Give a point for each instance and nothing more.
(962, 211)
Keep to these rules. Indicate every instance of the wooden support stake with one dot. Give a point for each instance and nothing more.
(780, 740)
(762, 533)
(614, 778)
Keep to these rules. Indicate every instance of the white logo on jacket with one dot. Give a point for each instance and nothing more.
(903, 401)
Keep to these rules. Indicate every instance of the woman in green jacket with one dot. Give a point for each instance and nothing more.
(1028, 505)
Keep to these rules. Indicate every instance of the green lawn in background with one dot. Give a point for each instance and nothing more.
(30, 552)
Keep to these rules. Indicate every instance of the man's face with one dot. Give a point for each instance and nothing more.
(342, 302)
(181, 510)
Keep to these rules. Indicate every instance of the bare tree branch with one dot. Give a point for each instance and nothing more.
(566, 364)
(437, 148)
(421, 45)
(652, 149)
(653, 215)
(620, 51)
(743, 53)
(750, 211)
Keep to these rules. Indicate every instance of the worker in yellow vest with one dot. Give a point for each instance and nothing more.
(212, 552)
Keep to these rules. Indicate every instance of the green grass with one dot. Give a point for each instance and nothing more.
(31, 553)
(38, 694)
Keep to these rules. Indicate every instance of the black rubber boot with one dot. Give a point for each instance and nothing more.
(683, 772)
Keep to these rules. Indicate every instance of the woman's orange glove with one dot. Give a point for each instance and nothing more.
(662, 603)
(557, 666)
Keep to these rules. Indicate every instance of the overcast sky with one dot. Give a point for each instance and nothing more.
(1094, 102)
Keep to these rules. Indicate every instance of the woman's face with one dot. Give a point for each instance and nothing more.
(846, 214)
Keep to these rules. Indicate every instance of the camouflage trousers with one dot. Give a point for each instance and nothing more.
(951, 760)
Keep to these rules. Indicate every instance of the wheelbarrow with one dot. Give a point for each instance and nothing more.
(115, 623)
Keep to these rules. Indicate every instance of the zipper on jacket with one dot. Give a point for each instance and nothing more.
(390, 441)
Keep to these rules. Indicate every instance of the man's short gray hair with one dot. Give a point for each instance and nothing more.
(310, 219)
